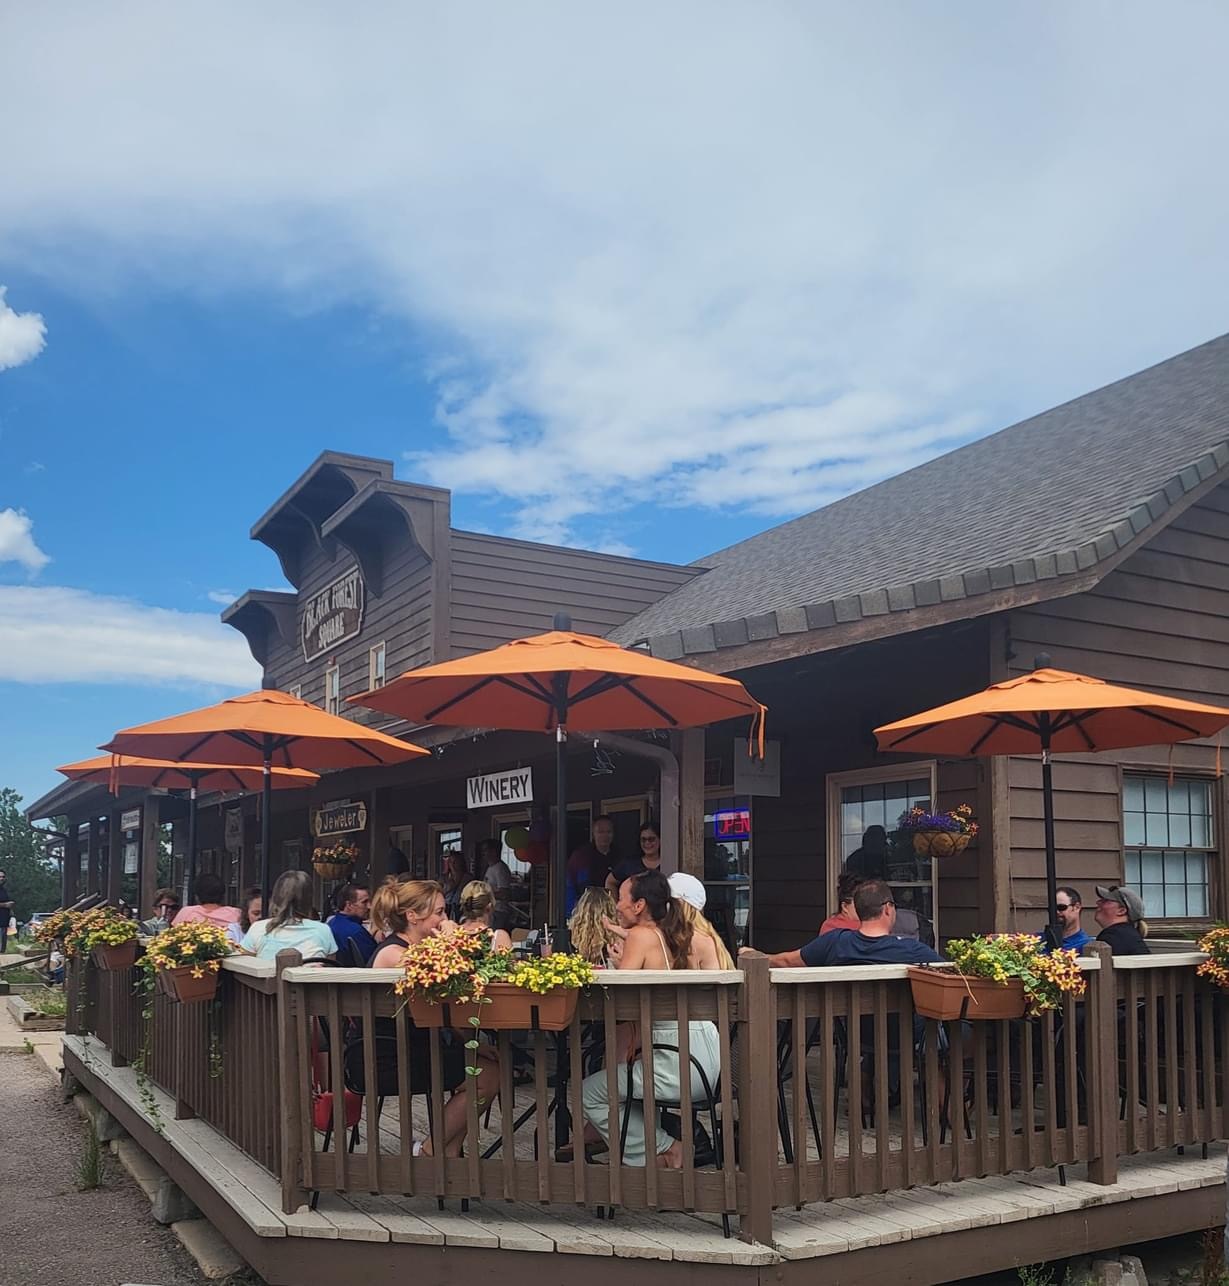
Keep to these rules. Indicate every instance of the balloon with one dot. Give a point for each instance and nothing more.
(536, 854)
(539, 831)
(522, 854)
(516, 837)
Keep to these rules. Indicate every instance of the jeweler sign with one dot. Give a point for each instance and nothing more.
(512, 787)
(333, 614)
(339, 819)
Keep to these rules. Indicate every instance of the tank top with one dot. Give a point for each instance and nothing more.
(395, 940)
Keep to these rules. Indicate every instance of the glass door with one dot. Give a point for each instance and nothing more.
(727, 867)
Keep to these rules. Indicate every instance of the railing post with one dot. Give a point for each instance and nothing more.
(290, 1075)
(757, 1085)
(1101, 1033)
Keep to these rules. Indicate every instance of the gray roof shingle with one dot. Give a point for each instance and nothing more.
(1060, 491)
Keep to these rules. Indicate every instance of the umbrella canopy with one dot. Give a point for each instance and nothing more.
(562, 678)
(265, 728)
(1056, 710)
(558, 681)
(1052, 710)
(169, 774)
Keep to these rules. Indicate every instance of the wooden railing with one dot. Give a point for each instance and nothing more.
(825, 1084)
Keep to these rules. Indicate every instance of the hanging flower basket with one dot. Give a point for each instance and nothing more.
(331, 870)
(950, 996)
(505, 1007)
(334, 861)
(939, 843)
(115, 959)
(182, 987)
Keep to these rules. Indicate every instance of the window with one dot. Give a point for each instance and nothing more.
(296, 690)
(376, 675)
(1169, 839)
(878, 797)
(332, 689)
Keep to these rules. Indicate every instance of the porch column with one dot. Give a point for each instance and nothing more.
(70, 872)
(691, 802)
(151, 833)
(94, 873)
(115, 855)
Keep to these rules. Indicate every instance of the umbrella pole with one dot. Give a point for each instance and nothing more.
(560, 882)
(191, 863)
(266, 795)
(1047, 801)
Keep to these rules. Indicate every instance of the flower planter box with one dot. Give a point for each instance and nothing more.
(115, 959)
(510, 1008)
(950, 996)
(939, 843)
(180, 986)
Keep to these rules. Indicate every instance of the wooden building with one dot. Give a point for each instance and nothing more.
(1097, 532)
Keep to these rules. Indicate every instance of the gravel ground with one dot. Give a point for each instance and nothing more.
(52, 1232)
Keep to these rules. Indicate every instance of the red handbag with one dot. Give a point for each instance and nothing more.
(322, 1109)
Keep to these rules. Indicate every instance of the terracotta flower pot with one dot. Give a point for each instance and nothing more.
(950, 996)
(116, 959)
(181, 986)
(508, 1008)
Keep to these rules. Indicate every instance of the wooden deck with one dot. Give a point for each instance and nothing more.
(984, 1224)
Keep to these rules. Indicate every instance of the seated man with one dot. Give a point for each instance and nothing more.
(353, 903)
(1067, 910)
(1120, 913)
(873, 942)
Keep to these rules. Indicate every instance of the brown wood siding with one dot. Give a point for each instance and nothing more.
(504, 589)
(400, 618)
(1160, 622)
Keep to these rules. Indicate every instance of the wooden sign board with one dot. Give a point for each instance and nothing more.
(333, 614)
(515, 786)
(339, 819)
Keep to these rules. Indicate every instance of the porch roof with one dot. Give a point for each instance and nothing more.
(1044, 508)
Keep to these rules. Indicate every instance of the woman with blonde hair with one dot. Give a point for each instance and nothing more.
(691, 897)
(594, 932)
(290, 923)
(475, 907)
(410, 912)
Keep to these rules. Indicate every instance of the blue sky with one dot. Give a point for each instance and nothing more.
(642, 295)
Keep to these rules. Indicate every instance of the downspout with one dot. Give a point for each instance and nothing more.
(669, 765)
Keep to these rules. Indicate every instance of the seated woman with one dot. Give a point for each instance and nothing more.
(208, 906)
(290, 924)
(253, 909)
(476, 906)
(409, 912)
(594, 933)
(660, 938)
(846, 917)
(692, 898)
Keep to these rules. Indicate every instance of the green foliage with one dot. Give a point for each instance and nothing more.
(89, 1167)
(33, 880)
(1035, 1275)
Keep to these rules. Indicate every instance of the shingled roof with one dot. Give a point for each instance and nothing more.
(1051, 498)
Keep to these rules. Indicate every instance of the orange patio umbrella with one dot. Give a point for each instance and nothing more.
(168, 774)
(1052, 710)
(266, 729)
(558, 681)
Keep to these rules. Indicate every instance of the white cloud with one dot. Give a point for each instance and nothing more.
(59, 635)
(17, 541)
(22, 335)
(223, 597)
(753, 255)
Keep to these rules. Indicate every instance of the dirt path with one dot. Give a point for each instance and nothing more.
(50, 1232)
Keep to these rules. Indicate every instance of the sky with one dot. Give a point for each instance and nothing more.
(647, 279)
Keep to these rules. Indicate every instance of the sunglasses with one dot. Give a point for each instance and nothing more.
(1062, 906)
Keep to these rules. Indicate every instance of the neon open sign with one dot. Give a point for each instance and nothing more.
(732, 823)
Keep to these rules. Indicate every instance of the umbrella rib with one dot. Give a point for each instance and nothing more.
(1173, 723)
(363, 749)
(630, 684)
(431, 715)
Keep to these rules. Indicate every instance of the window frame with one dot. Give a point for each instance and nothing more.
(332, 669)
(295, 690)
(382, 648)
(838, 781)
(1217, 820)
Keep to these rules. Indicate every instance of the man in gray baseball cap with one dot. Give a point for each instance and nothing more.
(1120, 913)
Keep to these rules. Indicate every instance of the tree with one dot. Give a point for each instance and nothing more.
(33, 878)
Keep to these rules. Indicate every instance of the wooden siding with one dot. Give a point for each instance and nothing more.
(504, 589)
(1161, 622)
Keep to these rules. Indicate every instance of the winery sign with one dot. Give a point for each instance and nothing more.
(333, 614)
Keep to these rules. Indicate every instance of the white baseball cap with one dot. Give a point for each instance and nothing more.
(688, 889)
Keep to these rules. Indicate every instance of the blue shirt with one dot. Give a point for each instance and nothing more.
(1076, 941)
(347, 929)
(852, 947)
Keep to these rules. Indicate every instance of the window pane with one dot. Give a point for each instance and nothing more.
(1155, 793)
(1150, 865)
(1156, 828)
(1133, 870)
(1133, 828)
(1201, 832)
(1153, 895)
(1175, 899)
(1197, 899)
(1175, 868)
(1133, 794)
(1200, 796)
(1180, 796)
(1180, 829)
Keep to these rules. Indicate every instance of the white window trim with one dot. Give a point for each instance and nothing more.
(295, 690)
(330, 670)
(371, 665)
(837, 781)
